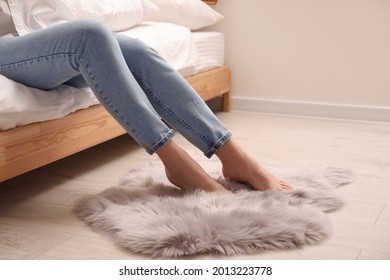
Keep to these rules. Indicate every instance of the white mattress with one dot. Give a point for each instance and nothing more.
(189, 53)
(210, 47)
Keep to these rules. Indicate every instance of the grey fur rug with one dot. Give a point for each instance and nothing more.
(146, 214)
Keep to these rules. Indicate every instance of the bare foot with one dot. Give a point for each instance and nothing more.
(240, 167)
(184, 172)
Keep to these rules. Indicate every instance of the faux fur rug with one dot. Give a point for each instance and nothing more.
(146, 214)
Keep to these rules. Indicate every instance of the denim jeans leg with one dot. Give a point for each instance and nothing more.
(130, 79)
(52, 56)
(173, 98)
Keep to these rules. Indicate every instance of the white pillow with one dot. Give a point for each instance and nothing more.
(193, 14)
(118, 15)
(173, 42)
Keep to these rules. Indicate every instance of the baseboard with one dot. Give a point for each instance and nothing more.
(314, 109)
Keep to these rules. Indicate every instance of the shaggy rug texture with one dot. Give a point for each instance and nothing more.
(146, 214)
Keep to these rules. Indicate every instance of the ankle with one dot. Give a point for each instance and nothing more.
(232, 156)
(229, 152)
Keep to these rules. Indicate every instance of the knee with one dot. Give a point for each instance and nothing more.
(135, 48)
(88, 30)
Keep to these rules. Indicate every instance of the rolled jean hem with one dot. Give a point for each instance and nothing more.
(161, 143)
(221, 141)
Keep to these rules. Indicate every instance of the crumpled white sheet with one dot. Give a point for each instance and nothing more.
(20, 105)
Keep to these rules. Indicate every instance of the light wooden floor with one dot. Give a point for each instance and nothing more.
(36, 221)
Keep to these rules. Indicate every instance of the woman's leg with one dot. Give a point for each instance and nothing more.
(181, 106)
(173, 98)
(52, 56)
(56, 55)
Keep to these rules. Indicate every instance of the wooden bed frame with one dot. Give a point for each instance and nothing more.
(25, 148)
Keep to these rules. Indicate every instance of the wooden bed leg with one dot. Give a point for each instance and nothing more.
(226, 102)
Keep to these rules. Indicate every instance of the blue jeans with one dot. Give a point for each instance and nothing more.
(136, 86)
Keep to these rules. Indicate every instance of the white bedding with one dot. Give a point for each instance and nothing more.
(189, 53)
(210, 49)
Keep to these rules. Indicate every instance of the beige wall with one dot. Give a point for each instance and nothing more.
(315, 57)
